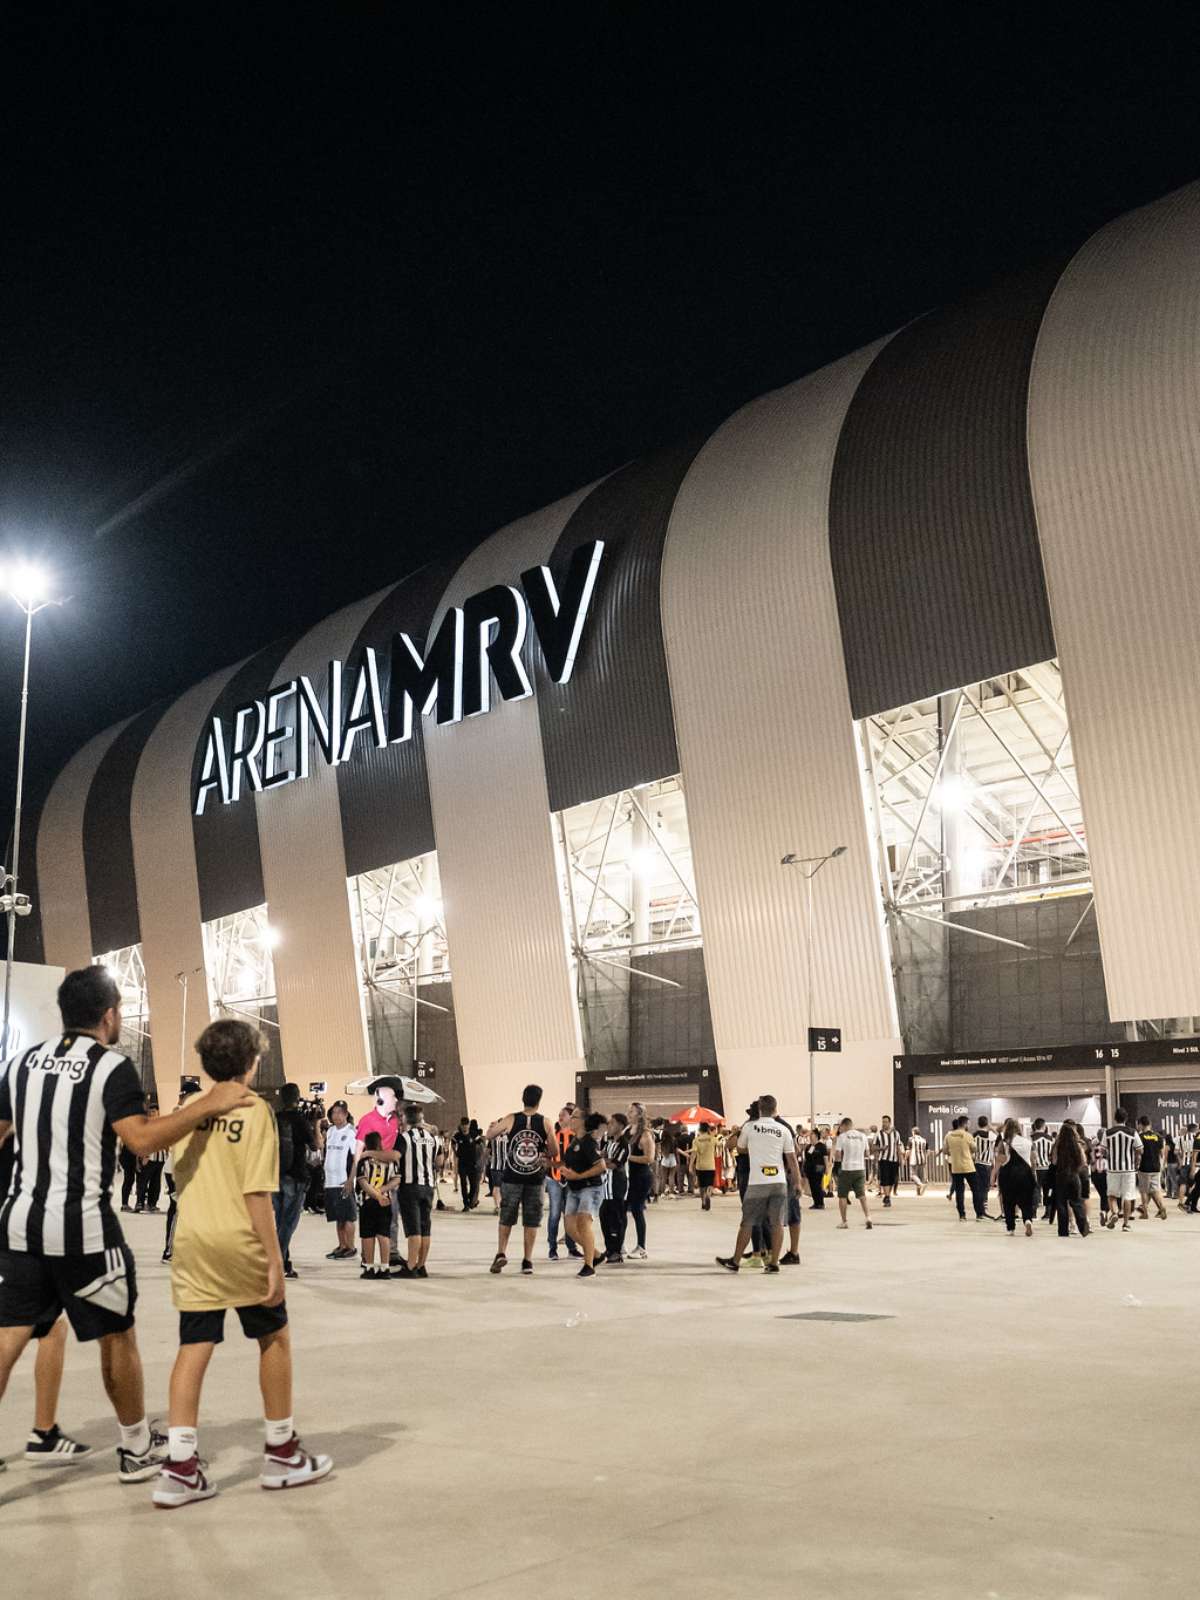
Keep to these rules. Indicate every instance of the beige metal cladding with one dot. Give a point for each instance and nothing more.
(322, 1025)
(1114, 452)
(514, 999)
(62, 884)
(766, 736)
(168, 895)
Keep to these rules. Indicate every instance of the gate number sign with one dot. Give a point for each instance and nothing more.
(828, 1040)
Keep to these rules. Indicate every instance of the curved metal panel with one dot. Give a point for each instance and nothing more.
(62, 879)
(769, 759)
(514, 998)
(1114, 441)
(228, 861)
(610, 726)
(168, 888)
(322, 1027)
(108, 838)
(935, 552)
(384, 794)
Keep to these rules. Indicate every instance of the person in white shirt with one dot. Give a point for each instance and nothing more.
(850, 1149)
(340, 1208)
(770, 1148)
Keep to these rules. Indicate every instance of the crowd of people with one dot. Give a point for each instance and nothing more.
(239, 1172)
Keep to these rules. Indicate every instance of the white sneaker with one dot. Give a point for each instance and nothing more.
(181, 1482)
(132, 1468)
(289, 1466)
(638, 1253)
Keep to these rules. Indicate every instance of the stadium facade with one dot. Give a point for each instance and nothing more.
(523, 816)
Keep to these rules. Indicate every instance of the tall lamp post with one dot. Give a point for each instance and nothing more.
(810, 866)
(27, 586)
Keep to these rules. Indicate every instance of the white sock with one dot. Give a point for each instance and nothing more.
(280, 1432)
(182, 1446)
(136, 1437)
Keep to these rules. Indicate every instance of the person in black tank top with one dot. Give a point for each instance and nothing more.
(522, 1181)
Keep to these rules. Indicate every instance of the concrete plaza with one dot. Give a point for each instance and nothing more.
(1011, 1426)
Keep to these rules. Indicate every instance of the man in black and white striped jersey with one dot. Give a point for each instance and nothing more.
(1123, 1151)
(887, 1153)
(416, 1152)
(67, 1101)
(1043, 1166)
(917, 1151)
(47, 1445)
(985, 1155)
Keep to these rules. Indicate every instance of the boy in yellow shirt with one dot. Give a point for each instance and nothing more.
(226, 1257)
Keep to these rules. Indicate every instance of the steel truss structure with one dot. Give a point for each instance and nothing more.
(625, 865)
(240, 966)
(974, 800)
(129, 973)
(628, 875)
(400, 940)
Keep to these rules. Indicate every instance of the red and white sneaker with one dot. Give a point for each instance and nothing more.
(181, 1482)
(289, 1466)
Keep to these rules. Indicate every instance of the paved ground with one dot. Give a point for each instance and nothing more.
(687, 1438)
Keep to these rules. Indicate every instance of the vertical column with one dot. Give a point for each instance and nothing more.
(766, 737)
(642, 843)
(322, 1021)
(168, 891)
(514, 1000)
(1116, 481)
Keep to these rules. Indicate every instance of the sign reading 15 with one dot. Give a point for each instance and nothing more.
(268, 741)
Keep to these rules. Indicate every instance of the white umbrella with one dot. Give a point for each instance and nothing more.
(412, 1089)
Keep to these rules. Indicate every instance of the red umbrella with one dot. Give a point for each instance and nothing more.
(696, 1114)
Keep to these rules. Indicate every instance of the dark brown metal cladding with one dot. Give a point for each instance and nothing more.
(384, 794)
(932, 533)
(108, 837)
(611, 726)
(228, 864)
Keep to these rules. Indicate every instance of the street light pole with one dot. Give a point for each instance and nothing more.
(813, 864)
(10, 881)
(26, 591)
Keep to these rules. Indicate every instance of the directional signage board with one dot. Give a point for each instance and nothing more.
(826, 1040)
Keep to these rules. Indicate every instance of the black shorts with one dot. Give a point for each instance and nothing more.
(374, 1220)
(339, 1206)
(208, 1327)
(416, 1209)
(889, 1174)
(97, 1292)
(706, 1178)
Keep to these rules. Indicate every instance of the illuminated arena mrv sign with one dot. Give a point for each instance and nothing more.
(269, 742)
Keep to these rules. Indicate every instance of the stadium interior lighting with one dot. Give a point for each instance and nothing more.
(643, 862)
(954, 793)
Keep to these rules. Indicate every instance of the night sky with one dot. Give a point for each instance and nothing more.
(289, 310)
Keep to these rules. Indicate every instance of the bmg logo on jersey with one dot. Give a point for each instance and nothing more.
(231, 1127)
(59, 1067)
